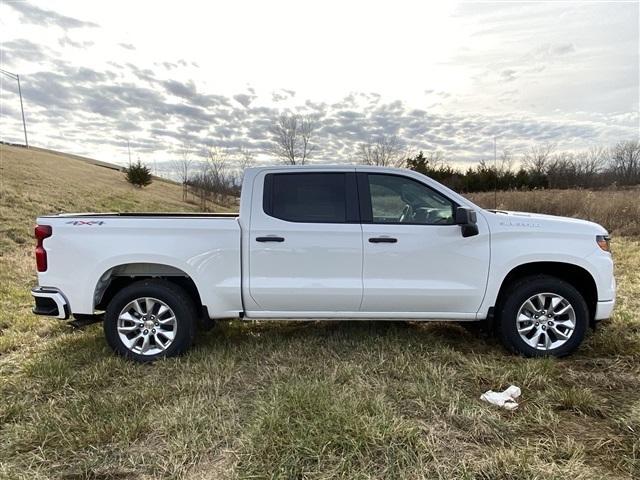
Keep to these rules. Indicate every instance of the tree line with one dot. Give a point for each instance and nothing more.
(540, 167)
(217, 176)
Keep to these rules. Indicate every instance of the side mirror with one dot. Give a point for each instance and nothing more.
(467, 219)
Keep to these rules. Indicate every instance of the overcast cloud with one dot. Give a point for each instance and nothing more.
(448, 78)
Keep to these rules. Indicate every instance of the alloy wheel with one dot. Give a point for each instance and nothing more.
(546, 321)
(147, 326)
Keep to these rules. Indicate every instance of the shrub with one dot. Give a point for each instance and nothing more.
(138, 174)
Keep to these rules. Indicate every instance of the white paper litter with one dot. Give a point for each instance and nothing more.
(506, 399)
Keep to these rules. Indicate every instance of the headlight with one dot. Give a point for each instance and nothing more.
(603, 242)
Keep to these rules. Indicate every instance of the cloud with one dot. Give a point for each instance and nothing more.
(167, 65)
(29, 13)
(144, 74)
(180, 89)
(282, 94)
(244, 99)
(70, 106)
(188, 91)
(127, 46)
(95, 108)
(550, 51)
(563, 49)
(508, 75)
(68, 42)
(22, 49)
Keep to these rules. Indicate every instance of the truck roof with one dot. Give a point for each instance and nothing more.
(253, 172)
(339, 167)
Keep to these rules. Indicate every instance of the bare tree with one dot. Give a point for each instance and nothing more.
(220, 177)
(201, 183)
(242, 160)
(590, 166)
(537, 159)
(625, 161)
(307, 127)
(435, 158)
(291, 136)
(562, 170)
(432, 159)
(383, 152)
(593, 161)
(246, 159)
(505, 164)
(182, 167)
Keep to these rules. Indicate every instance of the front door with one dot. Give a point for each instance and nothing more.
(305, 251)
(415, 257)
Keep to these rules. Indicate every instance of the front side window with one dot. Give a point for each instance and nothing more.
(397, 199)
(306, 197)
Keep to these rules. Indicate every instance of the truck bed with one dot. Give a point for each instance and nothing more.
(87, 249)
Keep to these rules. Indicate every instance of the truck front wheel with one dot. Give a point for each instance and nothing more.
(150, 319)
(542, 316)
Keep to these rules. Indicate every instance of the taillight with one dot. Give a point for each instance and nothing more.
(42, 232)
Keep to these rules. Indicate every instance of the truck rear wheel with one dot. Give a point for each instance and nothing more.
(542, 316)
(150, 319)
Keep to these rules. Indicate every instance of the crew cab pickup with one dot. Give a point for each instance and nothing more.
(319, 242)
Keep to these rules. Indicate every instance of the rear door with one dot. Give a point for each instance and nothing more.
(305, 245)
(415, 258)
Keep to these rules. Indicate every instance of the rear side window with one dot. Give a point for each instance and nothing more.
(306, 197)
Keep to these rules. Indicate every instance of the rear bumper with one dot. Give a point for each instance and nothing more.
(50, 302)
(604, 309)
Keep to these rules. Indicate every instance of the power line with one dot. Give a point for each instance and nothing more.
(16, 77)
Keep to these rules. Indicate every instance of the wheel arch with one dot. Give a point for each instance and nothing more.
(577, 276)
(119, 276)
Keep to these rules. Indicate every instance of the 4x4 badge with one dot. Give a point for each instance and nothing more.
(84, 222)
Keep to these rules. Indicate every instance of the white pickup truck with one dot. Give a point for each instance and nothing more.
(339, 242)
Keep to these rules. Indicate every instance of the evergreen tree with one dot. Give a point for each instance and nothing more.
(138, 175)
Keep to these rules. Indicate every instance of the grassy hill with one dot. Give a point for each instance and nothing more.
(293, 400)
(35, 183)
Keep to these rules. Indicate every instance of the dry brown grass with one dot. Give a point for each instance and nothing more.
(617, 210)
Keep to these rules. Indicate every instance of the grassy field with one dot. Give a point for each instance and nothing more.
(294, 400)
(617, 210)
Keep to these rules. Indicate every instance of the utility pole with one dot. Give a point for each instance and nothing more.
(16, 77)
(495, 168)
(129, 150)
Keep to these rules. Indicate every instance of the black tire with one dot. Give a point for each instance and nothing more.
(522, 290)
(173, 296)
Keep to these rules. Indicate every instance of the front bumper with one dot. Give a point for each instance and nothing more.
(604, 310)
(51, 302)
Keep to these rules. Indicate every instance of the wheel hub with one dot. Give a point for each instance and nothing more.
(546, 321)
(147, 326)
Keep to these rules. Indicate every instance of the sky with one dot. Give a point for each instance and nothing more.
(156, 78)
